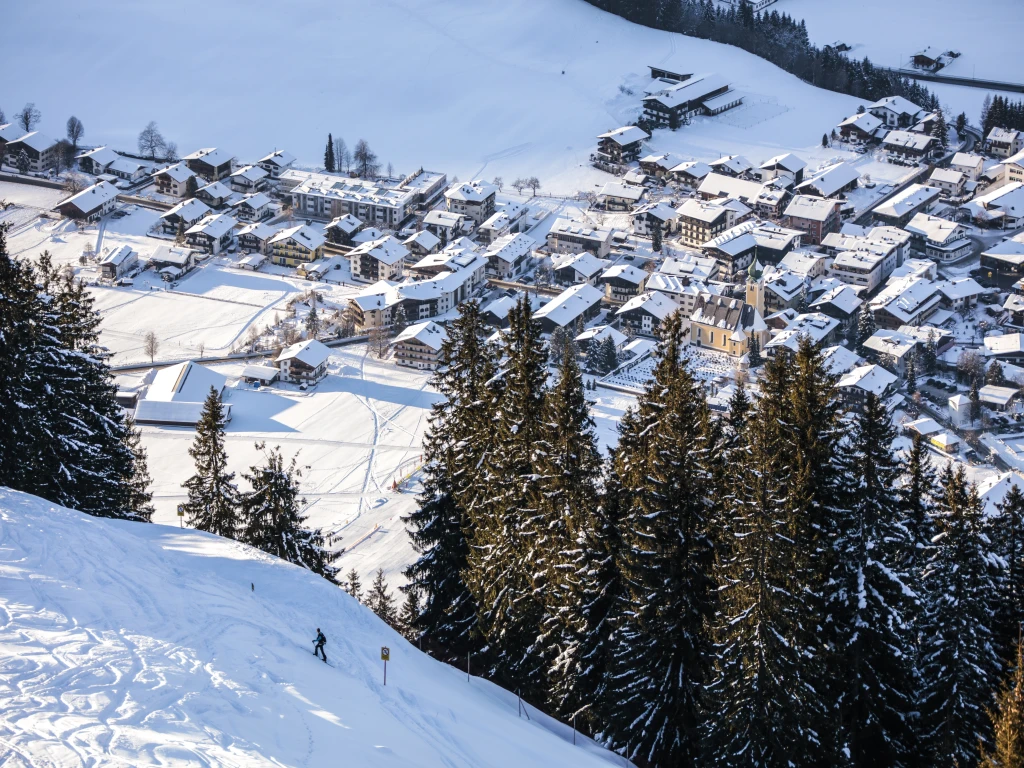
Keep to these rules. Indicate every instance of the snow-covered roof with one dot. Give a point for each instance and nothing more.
(215, 226)
(870, 378)
(691, 265)
(992, 490)
(117, 255)
(255, 200)
(946, 176)
(995, 395)
(187, 382)
(839, 359)
(258, 229)
(1002, 135)
(696, 88)
(599, 333)
(727, 313)
(709, 211)
(575, 229)
(659, 210)
(622, 191)
(935, 229)
(811, 208)
(694, 168)
(36, 140)
(311, 352)
(966, 160)
(442, 218)
(178, 172)
(801, 262)
(304, 235)
(472, 191)
(865, 121)
(251, 173)
(211, 155)
(910, 198)
(678, 285)
(658, 304)
(424, 239)
(626, 135)
(347, 224)
(570, 304)
(842, 297)
(788, 162)
(429, 334)
(812, 325)
(91, 198)
(908, 140)
(666, 162)
(891, 343)
(188, 210)
(735, 163)
(1011, 249)
(216, 190)
(11, 131)
(279, 157)
(626, 272)
(1007, 343)
(585, 263)
(510, 248)
(102, 155)
(386, 250)
(897, 104)
(720, 185)
(166, 254)
(830, 180)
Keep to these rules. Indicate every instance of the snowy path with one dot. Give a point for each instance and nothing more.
(133, 645)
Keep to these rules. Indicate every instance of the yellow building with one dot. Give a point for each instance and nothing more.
(726, 325)
(297, 245)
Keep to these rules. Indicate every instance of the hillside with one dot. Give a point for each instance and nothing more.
(494, 88)
(130, 645)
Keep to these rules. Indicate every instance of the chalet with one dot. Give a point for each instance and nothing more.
(211, 234)
(781, 289)
(658, 166)
(304, 363)
(297, 245)
(700, 221)
(739, 247)
(1004, 142)
(901, 208)
(959, 294)
(862, 128)
(683, 290)
(496, 312)
(863, 267)
(173, 180)
(8, 133)
(177, 395)
(507, 255)
(814, 216)
(447, 225)
(830, 182)
(382, 259)
(104, 160)
(896, 112)
(970, 165)
(422, 243)
(341, 230)
(808, 263)
(1002, 207)
(736, 166)
(249, 178)
(653, 216)
(451, 259)
(91, 203)
(507, 219)
(691, 265)
(840, 302)
(678, 102)
(644, 313)
(184, 215)
(378, 305)
(937, 238)
(766, 198)
(116, 262)
(1006, 257)
(820, 329)
(216, 195)
(419, 346)
(906, 301)
(566, 236)
(599, 334)
(39, 148)
(172, 262)
(691, 173)
(276, 163)
(788, 168)
(891, 349)
(1014, 168)
(578, 268)
(859, 383)
(1008, 348)
(577, 304)
(211, 163)
(253, 207)
(475, 199)
(950, 182)
(622, 281)
(256, 237)
(909, 145)
(726, 325)
(616, 196)
(623, 145)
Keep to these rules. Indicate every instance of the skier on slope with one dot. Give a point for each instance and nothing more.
(320, 640)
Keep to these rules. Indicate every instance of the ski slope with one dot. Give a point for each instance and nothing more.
(126, 644)
(474, 89)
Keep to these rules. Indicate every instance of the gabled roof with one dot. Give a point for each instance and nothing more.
(279, 157)
(91, 198)
(659, 210)
(40, 142)
(865, 121)
(386, 250)
(696, 88)
(570, 304)
(311, 352)
(186, 382)
(813, 325)
(657, 304)
(1007, 343)
(102, 155)
(188, 210)
(735, 163)
(11, 132)
(626, 272)
(842, 297)
(216, 189)
(727, 313)
(304, 235)
(840, 359)
(600, 333)
(788, 162)
(720, 185)
(569, 227)
(215, 226)
(870, 378)
(967, 160)
(424, 239)
(623, 191)
(179, 172)
(585, 263)
(908, 140)
(347, 224)
(429, 334)
(251, 173)
(255, 200)
(117, 255)
(812, 208)
(934, 228)
(626, 135)
(475, 191)
(897, 104)
(910, 198)
(694, 168)
(210, 155)
(830, 180)
(258, 229)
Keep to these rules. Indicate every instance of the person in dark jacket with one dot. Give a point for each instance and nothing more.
(320, 640)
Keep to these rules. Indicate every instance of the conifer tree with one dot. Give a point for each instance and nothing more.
(379, 600)
(504, 553)
(313, 323)
(139, 498)
(941, 130)
(594, 361)
(353, 585)
(609, 355)
(1008, 720)
(408, 620)
(865, 327)
(911, 373)
(874, 603)
(656, 237)
(754, 358)
(959, 663)
(917, 495)
(666, 557)
(572, 537)
(329, 164)
(212, 503)
(456, 440)
(272, 519)
(191, 188)
(1009, 544)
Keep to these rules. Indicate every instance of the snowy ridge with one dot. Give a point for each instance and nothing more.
(127, 644)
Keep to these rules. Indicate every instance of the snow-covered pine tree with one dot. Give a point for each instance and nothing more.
(663, 643)
(504, 554)
(941, 130)
(408, 619)
(1009, 543)
(380, 601)
(140, 497)
(609, 355)
(763, 706)
(1008, 720)
(571, 530)
(453, 446)
(329, 162)
(272, 519)
(313, 323)
(212, 503)
(873, 605)
(959, 663)
(353, 586)
(594, 361)
(917, 505)
(865, 327)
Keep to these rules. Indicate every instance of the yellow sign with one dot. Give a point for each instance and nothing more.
(385, 653)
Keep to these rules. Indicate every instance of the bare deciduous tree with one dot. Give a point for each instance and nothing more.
(170, 152)
(29, 117)
(533, 183)
(151, 141)
(519, 184)
(75, 131)
(498, 182)
(73, 184)
(150, 344)
(365, 160)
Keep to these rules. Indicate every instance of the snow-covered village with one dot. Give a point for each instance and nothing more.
(547, 383)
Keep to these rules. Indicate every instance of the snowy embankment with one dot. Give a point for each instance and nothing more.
(123, 644)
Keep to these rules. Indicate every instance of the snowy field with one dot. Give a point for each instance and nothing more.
(130, 645)
(508, 88)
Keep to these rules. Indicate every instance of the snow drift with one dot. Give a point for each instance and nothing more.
(131, 644)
